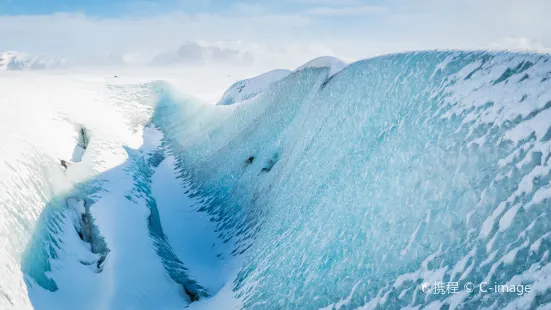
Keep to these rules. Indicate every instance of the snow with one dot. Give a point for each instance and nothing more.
(250, 88)
(316, 190)
(37, 130)
(182, 224)
(51, 116)
(13, 60)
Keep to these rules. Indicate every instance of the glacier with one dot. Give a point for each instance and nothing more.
(330, 187)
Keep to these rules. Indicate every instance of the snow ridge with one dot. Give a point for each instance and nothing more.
(250, 88)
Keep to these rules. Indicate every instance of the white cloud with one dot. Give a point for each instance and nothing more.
(195, 54)
(520, 44)
(77, 33)
(287, 35)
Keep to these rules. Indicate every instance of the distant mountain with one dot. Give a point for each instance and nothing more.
(250, 88)
(10, 61)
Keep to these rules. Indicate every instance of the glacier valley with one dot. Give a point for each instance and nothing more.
(360, 186)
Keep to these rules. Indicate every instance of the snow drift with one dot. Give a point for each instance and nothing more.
(335, 187)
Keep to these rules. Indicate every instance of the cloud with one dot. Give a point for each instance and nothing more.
(79, 33)
(195, 54)
(281, 36)
(347, 11)
(520, 44)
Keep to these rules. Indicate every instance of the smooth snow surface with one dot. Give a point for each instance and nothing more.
(322, 191)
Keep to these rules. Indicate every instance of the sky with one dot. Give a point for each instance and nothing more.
(268, 34)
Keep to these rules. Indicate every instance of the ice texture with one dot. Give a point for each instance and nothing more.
(349, 191)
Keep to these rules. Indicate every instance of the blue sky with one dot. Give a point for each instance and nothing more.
(114, 8)
(280, 33)
(103, 8)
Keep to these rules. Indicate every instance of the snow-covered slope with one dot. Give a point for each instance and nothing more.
(23, 61)
(249, 88)
(78, 229)
(333, 191)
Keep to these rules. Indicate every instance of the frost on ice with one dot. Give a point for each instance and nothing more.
(330, 187)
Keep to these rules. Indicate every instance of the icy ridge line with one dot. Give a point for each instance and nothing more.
(250, 88)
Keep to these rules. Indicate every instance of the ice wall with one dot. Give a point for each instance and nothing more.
(351, 190)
